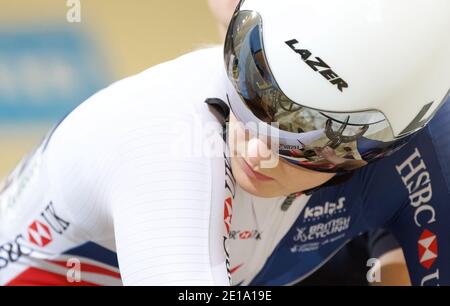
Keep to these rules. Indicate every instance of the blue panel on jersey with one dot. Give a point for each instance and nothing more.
(408, 193)
(96, 252)
(439, 132)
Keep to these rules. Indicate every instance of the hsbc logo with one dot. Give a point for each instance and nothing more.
(230, 190)
(40, 231)
(227, 213)
(39, 234)
(417, 180)
(428, 249)
(245, 235)
(13, 251)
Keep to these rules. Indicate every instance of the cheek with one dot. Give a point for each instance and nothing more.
(237, 138)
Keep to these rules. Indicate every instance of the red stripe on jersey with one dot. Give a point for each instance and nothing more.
(89, 268)
(235, 268)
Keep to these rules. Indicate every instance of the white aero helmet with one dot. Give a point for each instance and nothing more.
(344, 82)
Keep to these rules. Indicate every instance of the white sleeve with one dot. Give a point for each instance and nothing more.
(124, 168)
(162, 207)
(164, 210)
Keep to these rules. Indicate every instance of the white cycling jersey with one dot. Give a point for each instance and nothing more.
(106, 195)
(257, 227)
(132, 188)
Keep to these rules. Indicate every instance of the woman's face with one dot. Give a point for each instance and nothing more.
(249, 155)
(250, 160)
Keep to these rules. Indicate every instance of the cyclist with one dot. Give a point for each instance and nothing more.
(122, 174)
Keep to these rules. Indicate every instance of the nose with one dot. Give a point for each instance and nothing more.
(259, 153)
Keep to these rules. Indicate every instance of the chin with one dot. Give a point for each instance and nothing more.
(258, 191)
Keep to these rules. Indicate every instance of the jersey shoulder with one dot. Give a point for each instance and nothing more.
(439, 127)
(169, 91)
(438, 130)
(184, 78)
(140, 111)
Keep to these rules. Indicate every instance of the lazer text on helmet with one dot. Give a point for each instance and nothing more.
(319, 66)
